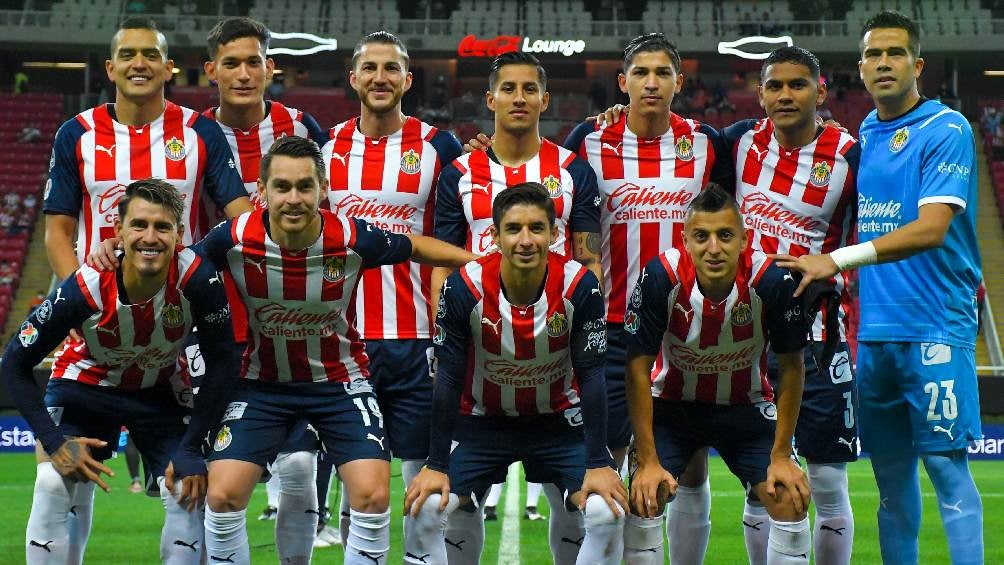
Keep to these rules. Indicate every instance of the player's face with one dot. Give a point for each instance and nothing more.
(790, 95)
(651, 82)
(380, 77)
(139, 67)
(149, 235)
(887, 67)
(714, 241)
(293, 193)
(518, 98)
(524, 237)
(241, 72)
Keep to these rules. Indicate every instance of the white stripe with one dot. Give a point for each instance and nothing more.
(509, 543)
(950, 200)
(934, 117)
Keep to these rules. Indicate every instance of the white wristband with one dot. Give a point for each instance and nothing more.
(854, 256)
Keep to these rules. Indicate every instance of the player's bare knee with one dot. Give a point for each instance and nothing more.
(369, 498)
(782, 508)
(225, 498)
(598, 513)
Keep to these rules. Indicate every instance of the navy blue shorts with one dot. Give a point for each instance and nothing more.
(551, 447)
(261, 416)
(154, 416)
(742, 435)
(618, 420)
(827, 429)
(401, 373)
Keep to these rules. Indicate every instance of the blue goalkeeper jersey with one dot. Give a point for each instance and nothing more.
(926, 156)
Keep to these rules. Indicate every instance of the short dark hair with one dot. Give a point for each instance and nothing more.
(296, 147)
(138, 22)
(895, 20)
(651, 42)
(713, 199)
(515, 58)
(384, 38)
(524, 193)
(155, 191)
(237, 28)
(794, 55)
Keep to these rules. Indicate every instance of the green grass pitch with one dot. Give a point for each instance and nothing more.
(127, 526)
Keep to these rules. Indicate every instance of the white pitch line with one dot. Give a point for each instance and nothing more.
(509, 544)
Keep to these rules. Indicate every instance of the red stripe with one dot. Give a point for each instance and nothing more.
(174, 128)
(683, 130)
(143, 323)
(374, 152)
(253, 255)
(109, 317)
(294, 275)
(550, 166)
(768, 243)
(516, 176)
(481, 185)
(85, 291)
(411, 140)
(372, 286)
(649, 157)
(784, 172)
(282, 122)
(266, 356)
(756, 153)
(248, 153)
(491, 337)
(405, 298)
(238, 310)
(618, 272)
(611, 150)
(104, 135)
(741, 383)
(200, 173)
(299, 362)
(132, 378)
(826, 151)
(340, 155)
(525, 346)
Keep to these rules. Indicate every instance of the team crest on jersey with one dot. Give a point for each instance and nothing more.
(557, 325)
(172, 316)
(636, 296)
(174, 149)
(684, 149)
(552, 185)
(334, 269)
(631, 321)
(899, 139)
(223, 439)
(411, 162)
(438, 335)
(820, 174)
(742, 314)
(44, 312)
(28, 334)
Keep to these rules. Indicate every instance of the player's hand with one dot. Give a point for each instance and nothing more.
(812, 267)
(73, 460)
(785, 471)
(427, 482)
(830, 122)
(480, 142)
(611, 115)
(193, 488)
(651, 488)
(103, 257)
(605, 482)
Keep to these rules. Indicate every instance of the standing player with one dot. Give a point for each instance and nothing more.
(134, 321)
(520, 339)
(382, 167)
(704, 317)
(296, 269)
(916, 353)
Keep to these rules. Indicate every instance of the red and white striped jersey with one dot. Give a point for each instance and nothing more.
(797, 201)
(390, 182)
(709, 351)
(645, 187)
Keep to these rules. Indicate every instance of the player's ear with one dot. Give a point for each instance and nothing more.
(918, 67)
(495, 236)
(168, 69)
(679, 83)
(269, 68)
(554, 233)
(622, 82)
(109, 68)
(490, 100)
(821, 92)
(261, 192)
(545, 100)
(210, 68)
(407, 81)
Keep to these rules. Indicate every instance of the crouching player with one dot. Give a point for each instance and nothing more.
(520, 339)
(704, 317)
(134, 320)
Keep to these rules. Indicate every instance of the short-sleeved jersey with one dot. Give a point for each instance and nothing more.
(467, 189)
(95, 157)
(390, 182)
(300, 305)
(709, 351)
(926, 156)
(797, 201)
(645, 186)
(521, 361)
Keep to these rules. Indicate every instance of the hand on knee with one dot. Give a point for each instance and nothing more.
(598, 513)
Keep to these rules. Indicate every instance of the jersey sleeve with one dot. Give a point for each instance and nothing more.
(314, 131)
(222, 180)
(723, 170)
(853, 157)
(786, 326)
(585, 215)
(64, 309)
(215, 245)
(588, 340)
(451, 224)
(948, 161)
(647, 314)
(576, 138)
(64, 192)
(447, 147)
(379, 247)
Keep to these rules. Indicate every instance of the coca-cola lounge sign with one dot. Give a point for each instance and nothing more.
(471, 46)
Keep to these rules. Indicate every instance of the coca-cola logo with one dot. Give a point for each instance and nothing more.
(109, 199)
(355, 206)
(695, 361)
(471, 46)
(761, 205)
(630, 194)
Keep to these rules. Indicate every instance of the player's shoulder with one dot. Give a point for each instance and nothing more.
(462, 164)
(938, 120)
(736, 131)
(585, 130)
(764, 273)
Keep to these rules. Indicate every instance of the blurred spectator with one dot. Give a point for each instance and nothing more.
(23, 223)
(30, 202)
(8, 271)
(20, 82)
(29, 134)
(12, 200)
(991, 119)
(6, 219)
(277, 88)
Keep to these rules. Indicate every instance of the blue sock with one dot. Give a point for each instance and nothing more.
(899, 505)
(959, 504)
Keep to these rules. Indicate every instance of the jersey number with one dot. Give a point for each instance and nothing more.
(849, 411)
(949, 406)
(374, 408)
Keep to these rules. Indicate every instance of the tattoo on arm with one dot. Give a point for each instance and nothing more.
(587, 247)
(593, 242)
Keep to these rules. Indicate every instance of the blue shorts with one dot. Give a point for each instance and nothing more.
(551, 447)
(827, 429)
(618, 420)
(401, 373)
(154, 416)
(742, 435)
(261, 416)
(924, 393)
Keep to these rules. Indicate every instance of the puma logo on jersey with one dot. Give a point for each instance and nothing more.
(379, 440)
(948, 432)
(849, 444)
(59, 296)
(110, 331)
(958, 127)
(688, 315)
(215, 279)
(615, 149)
(107, 150)
(259, 264)
(482, 188)
(759, 154)
(341, 158)
(497, 326)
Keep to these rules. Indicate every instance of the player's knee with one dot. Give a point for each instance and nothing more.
(430, 521)
(371, 498)
(782, 507)
(49, 481)
(296, 473)
(598, 512)
(225, 498)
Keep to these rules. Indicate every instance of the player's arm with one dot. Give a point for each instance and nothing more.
(584, 220)
(60, 235)
(215, 245)
(63, 200)
(576, 138)
(722, 152)
(222, 180)
(451, 224)
(314, 131)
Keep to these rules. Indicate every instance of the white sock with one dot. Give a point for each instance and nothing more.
(272, 487)
(78, 523)
(833, 531)
(688, 523)
(604, 541)
(643, 542)
(565, 529)
(227, 536)
(46, 538)
(369, 538)
(423, 544)
(183, 534)
(296, 520)
(343, 513)
(756, 528)
(789, 542)
(533, 494)
(412, 531)
(494, 494)
(465, 535)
